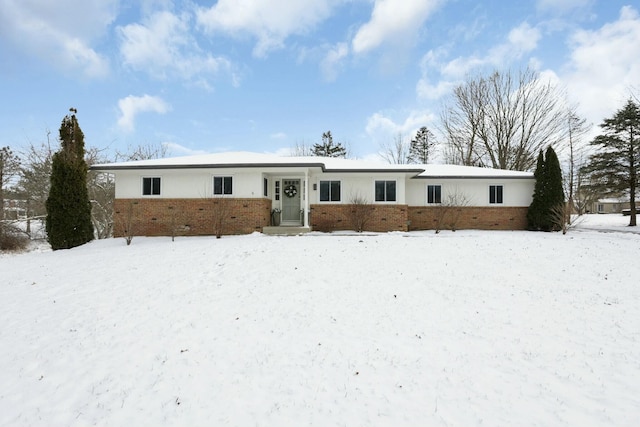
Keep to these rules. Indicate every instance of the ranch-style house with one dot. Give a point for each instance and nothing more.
(241, 192)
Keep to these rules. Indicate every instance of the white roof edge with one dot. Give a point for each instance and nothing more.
(328, 164)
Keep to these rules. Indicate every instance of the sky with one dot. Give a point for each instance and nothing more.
(265, 76)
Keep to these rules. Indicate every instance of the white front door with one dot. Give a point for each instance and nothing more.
(291, 201)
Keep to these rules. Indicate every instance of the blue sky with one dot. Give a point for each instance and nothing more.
(205, 76)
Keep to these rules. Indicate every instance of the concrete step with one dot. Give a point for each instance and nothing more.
(285, 230)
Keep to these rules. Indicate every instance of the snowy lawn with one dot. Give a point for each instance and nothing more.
(400, 329)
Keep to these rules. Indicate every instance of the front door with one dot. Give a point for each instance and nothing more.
(291, 201)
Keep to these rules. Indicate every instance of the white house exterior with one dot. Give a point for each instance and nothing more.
(246, 192)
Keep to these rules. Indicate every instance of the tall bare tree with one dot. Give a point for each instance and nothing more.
(102, 189)
(9, 169)
(396, 152)
(577, 129)
(142, 152)
(503, 120)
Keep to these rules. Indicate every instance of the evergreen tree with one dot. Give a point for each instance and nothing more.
(535, 212)
(327, 148)
(553, 191)
(548, 194)
(68, 207)
(614, 166)
(422, 146)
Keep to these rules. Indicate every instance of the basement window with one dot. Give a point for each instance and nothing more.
(151, 186)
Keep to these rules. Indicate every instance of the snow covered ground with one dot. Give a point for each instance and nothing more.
(401, 329)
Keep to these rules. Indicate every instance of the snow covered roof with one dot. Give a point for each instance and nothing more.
(244, 159)
(462, 172)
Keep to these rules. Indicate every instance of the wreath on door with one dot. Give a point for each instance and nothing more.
(290, 190)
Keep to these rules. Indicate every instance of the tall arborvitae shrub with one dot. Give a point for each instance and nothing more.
(553, 192)
(535, 212)
(68, 207)
(548, 194)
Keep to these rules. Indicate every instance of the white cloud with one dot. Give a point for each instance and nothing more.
(278, 135)
(48, 31)
(162, 46)
(520, 41)
(132, 105)
(332, 61)
(392, 20)
(382, 129)
(604, 65)
(269, 21)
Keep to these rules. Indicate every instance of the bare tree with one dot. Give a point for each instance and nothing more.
(142, 152)
(9, 169)
(220, 210)
(360, 212)
(577, 128)
(35, 178)
(301, 149)
(101, 187)
(449, 211)
(396, 152)
(503, 120)
(128, 225)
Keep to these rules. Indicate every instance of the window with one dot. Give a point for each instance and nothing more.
(434, 194)
(222, 185)
(277, 190)
(329, 191)
(151, 186)
(600, 208)
(385, 191)
(266, 187)
(495, 194)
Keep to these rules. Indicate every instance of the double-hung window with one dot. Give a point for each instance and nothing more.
(329, 191)
(385, 191)
(495, 194)
(151, 186)
(434, 194)
(222, 185)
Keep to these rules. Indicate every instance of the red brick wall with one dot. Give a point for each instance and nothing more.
(477, 218)
(330, 217)
(189, 217)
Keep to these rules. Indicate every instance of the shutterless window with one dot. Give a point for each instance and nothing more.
(151, 186)
(495, 194)
(222, 185)
(266, 187)
(434, 194)
(329, 191)
(385, 191)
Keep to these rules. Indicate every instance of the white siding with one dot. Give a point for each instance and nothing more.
(356, 184)
(188, 183)
(517, 192)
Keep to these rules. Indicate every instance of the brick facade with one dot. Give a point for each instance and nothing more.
(329, 217)
(190, 217)
(476, 218)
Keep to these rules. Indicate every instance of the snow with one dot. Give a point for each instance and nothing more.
(248, 159)
(452, 329)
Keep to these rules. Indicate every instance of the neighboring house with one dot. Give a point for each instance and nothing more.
(610, 205)
(248, 192)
